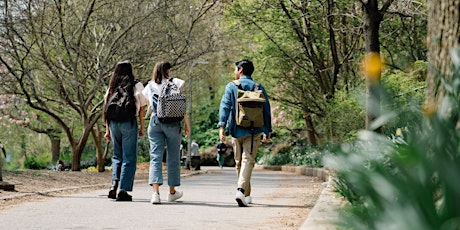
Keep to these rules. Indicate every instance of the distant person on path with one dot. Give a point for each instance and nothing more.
(124, 131)
(221, 150)
(60, 165)
(194, 152)
(161, 134)
(245, 141)
(194, 149)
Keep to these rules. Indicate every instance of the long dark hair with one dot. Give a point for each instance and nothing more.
(161, 71)
(122, 77)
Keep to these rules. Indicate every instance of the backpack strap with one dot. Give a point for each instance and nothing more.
(154, 104)
(256, 86)
(238, 84)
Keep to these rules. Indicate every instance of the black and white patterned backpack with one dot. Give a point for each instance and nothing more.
(171, 104)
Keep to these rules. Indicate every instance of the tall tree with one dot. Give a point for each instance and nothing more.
(403, 34)
(373, 16)
(13, 109)
(443, 39)
(304, 49)
(58, 55)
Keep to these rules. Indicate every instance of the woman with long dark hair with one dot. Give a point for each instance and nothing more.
(161, 134)
(123, 129)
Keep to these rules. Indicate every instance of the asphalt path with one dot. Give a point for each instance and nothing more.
(208, 203)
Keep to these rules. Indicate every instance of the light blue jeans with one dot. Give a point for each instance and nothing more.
(124, 138)
(159, 135)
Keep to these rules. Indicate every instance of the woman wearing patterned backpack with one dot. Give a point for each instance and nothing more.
(164, 133)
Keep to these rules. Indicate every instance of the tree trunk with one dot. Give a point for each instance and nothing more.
(1, 162)
(55, 148)
(372, 64)
(77, 148)
(443, 37)
(311, 132)
(100, 159)
(1, 169)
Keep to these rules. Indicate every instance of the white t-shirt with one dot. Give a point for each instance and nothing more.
(153, 88)
(141, 101)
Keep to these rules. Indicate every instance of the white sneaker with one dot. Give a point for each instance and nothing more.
(155, 199)
(248, 199)
(173, 197)
(241, 199)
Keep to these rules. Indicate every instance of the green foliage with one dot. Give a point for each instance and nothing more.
(37, 162)
(87, 163)
(275, 159)
(404, 89)
(142, 159)
(143, 150)
(408, 180)
(207, 134)
(292, 153)
(404, 36)
(309, 155)
(345, 116)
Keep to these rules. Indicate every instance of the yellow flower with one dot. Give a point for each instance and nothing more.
(372, 66)
(398, 132)
(429, 108)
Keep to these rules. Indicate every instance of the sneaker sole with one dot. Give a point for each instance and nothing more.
(173, 200)
(241, 203)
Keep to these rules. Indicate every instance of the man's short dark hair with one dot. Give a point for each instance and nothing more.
(248, 67)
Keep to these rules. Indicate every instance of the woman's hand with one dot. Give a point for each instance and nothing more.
(186, 131)
(108, 137)
(187, 126)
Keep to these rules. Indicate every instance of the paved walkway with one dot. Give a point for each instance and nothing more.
(273, 200)
(325, 211)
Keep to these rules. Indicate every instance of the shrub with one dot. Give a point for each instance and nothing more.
(408, 180)
(307, 155)
(275, 159)
(37, 162)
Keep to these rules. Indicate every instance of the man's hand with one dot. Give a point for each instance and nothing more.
(222, 134)
(265, 138)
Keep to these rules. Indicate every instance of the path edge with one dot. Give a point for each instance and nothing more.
(325, 211)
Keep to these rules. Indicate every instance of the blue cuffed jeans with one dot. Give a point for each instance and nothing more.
(124, 138)
(159, 135)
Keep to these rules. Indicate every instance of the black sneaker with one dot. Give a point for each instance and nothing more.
(124, 196)
(112, 194)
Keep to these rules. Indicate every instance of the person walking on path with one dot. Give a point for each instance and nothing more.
(245, 141)
(160, 133)
(123, 132)
(221, 150)
(192, 162)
